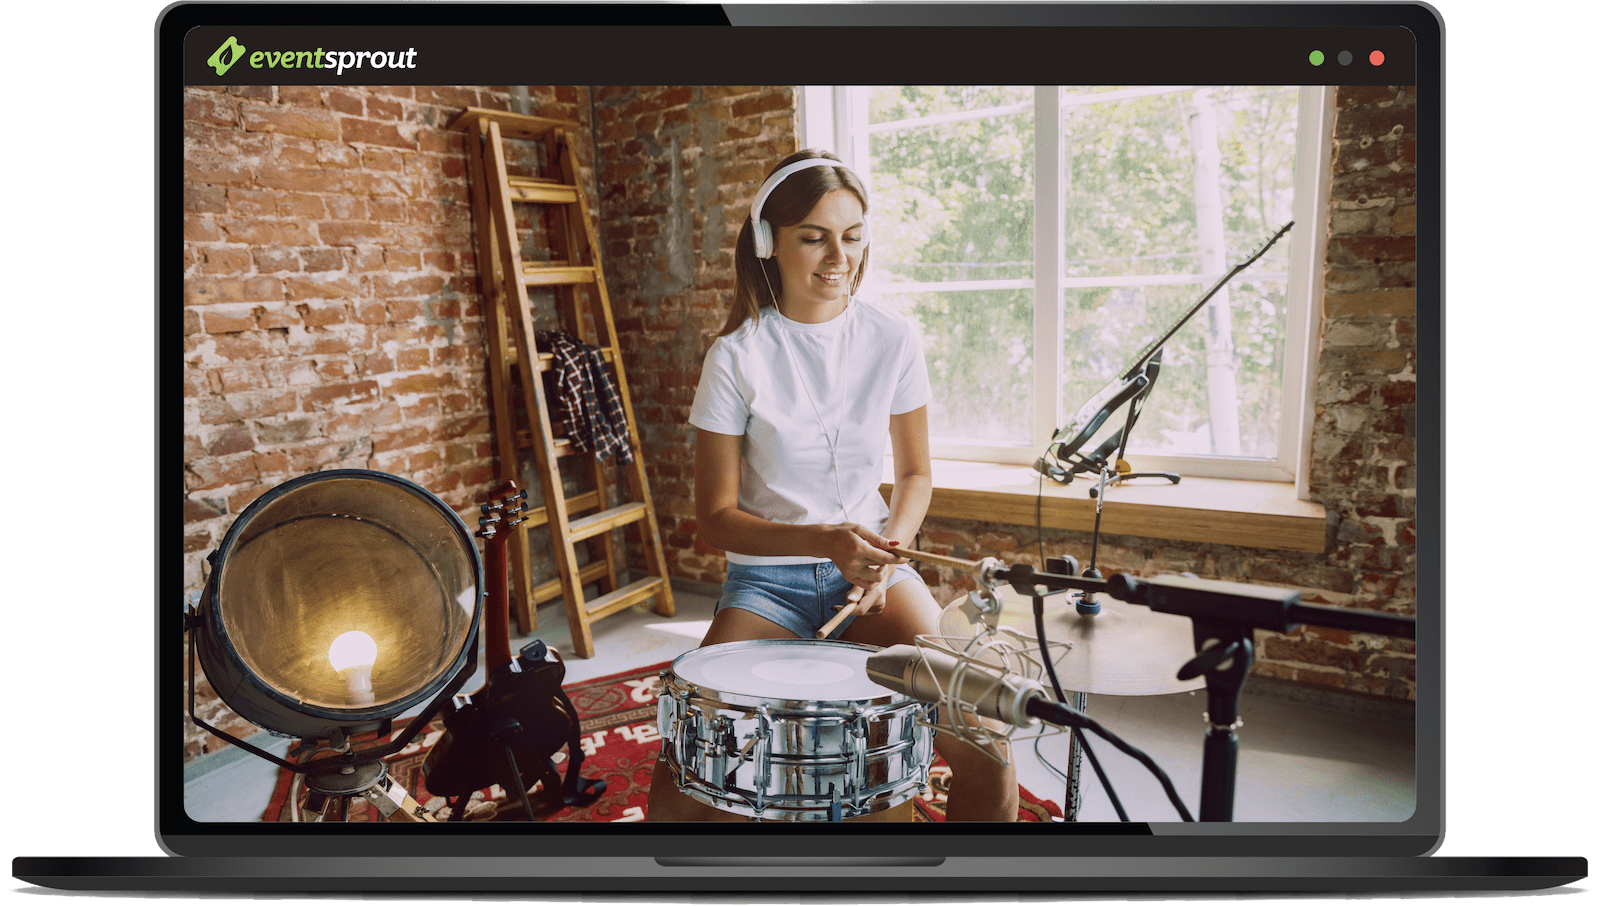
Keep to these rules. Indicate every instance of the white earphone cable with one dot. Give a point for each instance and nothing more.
(844, 389)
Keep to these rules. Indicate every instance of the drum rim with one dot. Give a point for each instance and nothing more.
(672, 680)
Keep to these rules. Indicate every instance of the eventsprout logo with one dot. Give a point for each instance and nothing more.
(232, 52)
(226, 55)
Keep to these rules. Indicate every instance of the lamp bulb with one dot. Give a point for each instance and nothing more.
(352, 655)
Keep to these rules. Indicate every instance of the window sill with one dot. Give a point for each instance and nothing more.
(1261, 514)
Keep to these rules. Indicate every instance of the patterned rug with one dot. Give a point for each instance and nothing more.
(620, 742)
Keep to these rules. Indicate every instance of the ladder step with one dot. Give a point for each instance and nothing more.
(540, 191)
(563, 445)
(547, 360)
(546, 275)
(606, 520)
(512, 125)
(578, 503)
(546, 591)
(624, 597)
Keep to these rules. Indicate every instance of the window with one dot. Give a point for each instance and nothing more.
(1137, 199)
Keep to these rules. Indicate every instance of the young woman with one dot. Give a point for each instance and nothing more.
(798, 395)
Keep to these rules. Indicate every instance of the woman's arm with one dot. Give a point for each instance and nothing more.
(913, 475)
(852, 548)
(908, 502)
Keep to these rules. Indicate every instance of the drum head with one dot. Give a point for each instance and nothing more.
(814, 673)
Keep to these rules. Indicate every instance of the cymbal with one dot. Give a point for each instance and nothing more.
(1125, 649)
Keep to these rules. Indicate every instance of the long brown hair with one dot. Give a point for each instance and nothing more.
(756, 281)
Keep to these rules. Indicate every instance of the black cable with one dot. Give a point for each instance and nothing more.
(1094, 762)
(1055, 682)
(1038, 515)
(1094, 550)
(1072, 734)
(1064, 715)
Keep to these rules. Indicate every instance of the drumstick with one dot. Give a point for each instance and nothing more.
(838, 618)
(938, 559)
(935, 559)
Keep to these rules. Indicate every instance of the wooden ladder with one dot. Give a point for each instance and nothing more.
(516, 370)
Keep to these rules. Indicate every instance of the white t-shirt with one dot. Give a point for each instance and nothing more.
(761, 382)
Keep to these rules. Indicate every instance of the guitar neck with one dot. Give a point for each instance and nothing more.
(499, 519)
(497, 609)
(1144, 355)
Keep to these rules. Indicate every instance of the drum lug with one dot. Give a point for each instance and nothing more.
(719, 745)
(670, 710)
(761, 739)
(692, 748)
(858, 776)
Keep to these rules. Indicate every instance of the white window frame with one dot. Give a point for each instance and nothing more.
(834, 117)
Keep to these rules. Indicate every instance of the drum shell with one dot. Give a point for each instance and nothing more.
(776, 757)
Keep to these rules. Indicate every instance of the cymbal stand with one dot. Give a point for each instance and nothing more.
(1080, 700)
(984, 604)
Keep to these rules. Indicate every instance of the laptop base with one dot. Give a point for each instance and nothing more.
(531, 875)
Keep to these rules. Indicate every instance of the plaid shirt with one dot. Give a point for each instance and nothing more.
(586, 398)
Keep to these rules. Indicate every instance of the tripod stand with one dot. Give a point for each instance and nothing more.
(332, 789)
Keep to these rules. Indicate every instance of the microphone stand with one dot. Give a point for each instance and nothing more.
(1225, 616)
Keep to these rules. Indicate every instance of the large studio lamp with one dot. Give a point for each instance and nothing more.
(337, 602)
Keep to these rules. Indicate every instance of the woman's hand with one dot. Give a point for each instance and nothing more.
(865, 559)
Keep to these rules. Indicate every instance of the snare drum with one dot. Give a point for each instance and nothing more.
(791, 729)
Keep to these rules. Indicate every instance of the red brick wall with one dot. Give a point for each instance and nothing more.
(331, 309)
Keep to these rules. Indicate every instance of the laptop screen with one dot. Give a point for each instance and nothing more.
(1051, 190)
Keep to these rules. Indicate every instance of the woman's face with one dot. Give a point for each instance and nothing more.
(819, 256)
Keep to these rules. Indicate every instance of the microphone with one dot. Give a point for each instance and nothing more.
(925, 674)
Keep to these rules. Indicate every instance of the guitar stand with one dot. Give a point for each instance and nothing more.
(1107, 460)
(556, 795)
(1119, 477)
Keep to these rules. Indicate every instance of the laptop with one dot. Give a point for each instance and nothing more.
(1359, 87)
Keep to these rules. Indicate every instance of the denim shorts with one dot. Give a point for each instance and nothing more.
(800, 597)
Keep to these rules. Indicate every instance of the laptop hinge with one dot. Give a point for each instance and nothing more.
(798, 861)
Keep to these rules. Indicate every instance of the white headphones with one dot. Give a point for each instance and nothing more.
(761, 230)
